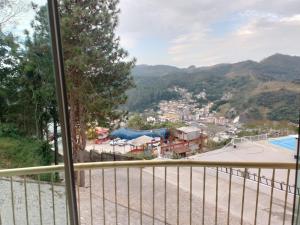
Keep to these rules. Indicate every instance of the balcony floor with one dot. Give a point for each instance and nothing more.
(236, 199)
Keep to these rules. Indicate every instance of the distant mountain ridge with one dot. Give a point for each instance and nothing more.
(250, 83)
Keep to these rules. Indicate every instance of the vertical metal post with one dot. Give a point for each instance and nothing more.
(203, 197)
(141, 196)
(271, 198)
(286, 195)
(243, 197)
(165, 196)
(116, 195)
(296, 175)
(191, 193)
(177, 195)
(257, 194)
(61, 92)
(217, 187)
(229, 196)
(153, 195)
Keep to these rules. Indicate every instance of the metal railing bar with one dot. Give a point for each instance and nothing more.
(40, 200)
(191, 193)
(78, 197)
(30, 181)
(12, 200)
(66, 202)
(177, 195)
(182, 163)
(271, 198)
(229, 196)
(286, 195)
(165, 196)
(103, 197)
(26, 200)
(216, 205)
(257, 194)
(91, 199)
(53, 200)
(141, 196)
(153, 195)
(145, 163)
(116, 197)
(203, 197)
(243, 197)
(266, 184)
(128, 197)
(298, 211)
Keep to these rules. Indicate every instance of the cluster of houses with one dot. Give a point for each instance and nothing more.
(162, 142)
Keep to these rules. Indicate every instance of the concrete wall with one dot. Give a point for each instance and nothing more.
(93, 156)
(187, 136)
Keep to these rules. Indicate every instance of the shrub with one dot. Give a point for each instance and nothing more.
(9, 130)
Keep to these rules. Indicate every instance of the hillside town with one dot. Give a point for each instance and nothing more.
(188, 111)
(199, 127)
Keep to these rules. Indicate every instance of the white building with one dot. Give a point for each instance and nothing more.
(188, 133)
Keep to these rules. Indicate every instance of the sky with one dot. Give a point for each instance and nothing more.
(208, 32)
(202, 32)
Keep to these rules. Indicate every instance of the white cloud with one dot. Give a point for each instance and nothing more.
(266, 28)
(257, 39)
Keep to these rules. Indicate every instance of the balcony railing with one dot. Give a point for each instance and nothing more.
(152, 192)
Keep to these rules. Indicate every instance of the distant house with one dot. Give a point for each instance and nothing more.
(184, 140)
(187, 133)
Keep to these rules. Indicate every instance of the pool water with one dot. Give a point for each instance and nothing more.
(289, 142)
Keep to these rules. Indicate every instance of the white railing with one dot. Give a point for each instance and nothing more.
(151, 192)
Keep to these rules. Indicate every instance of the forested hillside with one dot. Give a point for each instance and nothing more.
(266, 89)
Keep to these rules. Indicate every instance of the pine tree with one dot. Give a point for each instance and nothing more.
(97, 69)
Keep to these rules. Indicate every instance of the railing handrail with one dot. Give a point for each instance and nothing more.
(147, 163)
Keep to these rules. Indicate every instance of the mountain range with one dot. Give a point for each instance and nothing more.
(268, 89)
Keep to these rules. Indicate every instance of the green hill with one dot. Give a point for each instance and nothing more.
(267, 89)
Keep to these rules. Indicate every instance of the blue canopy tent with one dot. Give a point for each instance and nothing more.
(129, 134)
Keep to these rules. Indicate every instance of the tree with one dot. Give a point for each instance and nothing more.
(27, 89)
(9, 58)
(138, 123)
(97, 69)
(38, 67)
(10, 9)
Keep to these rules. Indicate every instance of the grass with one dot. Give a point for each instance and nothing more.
(17, 152)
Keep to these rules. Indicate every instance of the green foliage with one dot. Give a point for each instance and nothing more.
(9, 130)
(17, 152)
(140, 156)
(27, 93)
(283, 104)
(139, 123)
(167, 124)
(148, 93)
(244, 133)
(97, 68)
(211, 145)
(217, 104)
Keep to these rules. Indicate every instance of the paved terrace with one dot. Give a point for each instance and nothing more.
(197, 201)
(259, 151)
(32, 202)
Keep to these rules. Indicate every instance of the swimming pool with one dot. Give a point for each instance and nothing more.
(288, 142)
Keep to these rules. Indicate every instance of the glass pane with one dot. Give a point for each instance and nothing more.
(211, 82)
(29, 123)
(29, 118)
